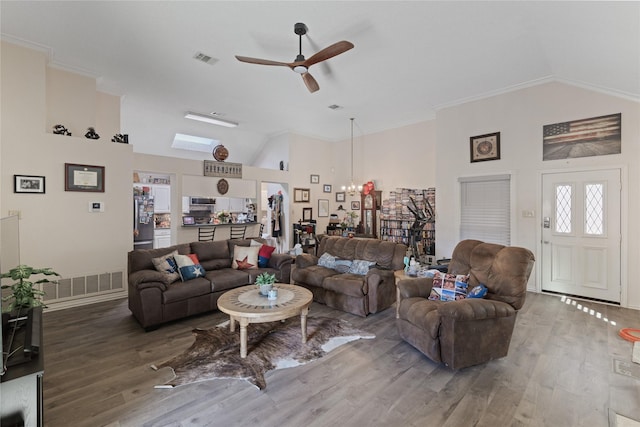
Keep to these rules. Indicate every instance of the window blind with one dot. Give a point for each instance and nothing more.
(486, 208)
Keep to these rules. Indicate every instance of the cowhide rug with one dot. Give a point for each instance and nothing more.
(275, 345)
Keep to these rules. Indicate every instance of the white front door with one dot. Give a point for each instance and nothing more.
(581, 234)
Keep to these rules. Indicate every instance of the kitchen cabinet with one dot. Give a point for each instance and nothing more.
(161, 198)
(161, 238)
(237, 205)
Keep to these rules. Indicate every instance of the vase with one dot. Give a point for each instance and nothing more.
(264, 289)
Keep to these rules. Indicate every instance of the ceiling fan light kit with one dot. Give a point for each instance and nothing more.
(301, 65)
(210, 119)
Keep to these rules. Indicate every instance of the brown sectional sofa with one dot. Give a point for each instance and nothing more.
(153, 301)
(354, 293)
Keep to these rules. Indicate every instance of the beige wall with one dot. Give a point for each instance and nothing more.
(56, 228)
(519, 116)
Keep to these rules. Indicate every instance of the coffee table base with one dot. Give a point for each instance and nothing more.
(245, 321)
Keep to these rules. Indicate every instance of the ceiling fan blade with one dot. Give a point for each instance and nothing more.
(260, 61)
(329, 52)
(311, 83)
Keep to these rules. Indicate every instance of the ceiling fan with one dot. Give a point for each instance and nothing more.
(301, 65)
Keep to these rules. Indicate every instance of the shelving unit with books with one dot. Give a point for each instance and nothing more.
(397, 220)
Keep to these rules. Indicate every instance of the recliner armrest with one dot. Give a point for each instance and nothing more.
(420, 287)
(475, 309)
(278, 261)
(306, 260)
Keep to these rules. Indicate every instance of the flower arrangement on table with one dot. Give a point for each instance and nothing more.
(350, 219)
(223, 217)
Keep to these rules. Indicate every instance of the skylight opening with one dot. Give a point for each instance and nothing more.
(194, 143)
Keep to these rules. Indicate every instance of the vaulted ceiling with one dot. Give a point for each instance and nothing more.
(410, 59)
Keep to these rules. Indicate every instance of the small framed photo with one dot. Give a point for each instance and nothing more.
(307, 214)
(301, 195)
(341, 196)
(83, 178)
(326, 188)
(315, 179)
(28, 184)
(355, 206)
(323, 207)
(485, 147)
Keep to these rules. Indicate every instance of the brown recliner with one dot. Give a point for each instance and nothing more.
(468, 332)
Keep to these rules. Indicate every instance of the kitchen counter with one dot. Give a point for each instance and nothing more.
(189, 233)
(218, 225)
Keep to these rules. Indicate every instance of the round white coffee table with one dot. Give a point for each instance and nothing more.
(245, 305)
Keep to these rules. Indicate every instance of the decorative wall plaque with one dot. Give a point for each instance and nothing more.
(222, 169)
(223, 186)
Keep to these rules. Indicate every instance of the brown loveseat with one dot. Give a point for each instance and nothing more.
(153, 300)
(467, 332)
(370, 291)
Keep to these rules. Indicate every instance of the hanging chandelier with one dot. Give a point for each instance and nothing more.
(352, 189)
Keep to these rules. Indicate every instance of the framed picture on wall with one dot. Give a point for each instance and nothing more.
(301, 195)
(307, 214)
(485, 147)
(28, 184)
(327, 188)
(323, 207)
(315, 179)
(83, 178)
(355, 206)
(341, 196)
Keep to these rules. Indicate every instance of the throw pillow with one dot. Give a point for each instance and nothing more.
(194, 258)
(360, 267)
(187, 268)
(166, 265)
(342, 265)
(264, 255)
(183, 260)
(245, 257)
(189, 272)
(449, 287)
(478, 292)
(255, 243)
(327, 260)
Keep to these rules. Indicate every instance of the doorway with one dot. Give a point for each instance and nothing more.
(581, 234)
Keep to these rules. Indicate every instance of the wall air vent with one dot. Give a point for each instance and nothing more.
(207, 59)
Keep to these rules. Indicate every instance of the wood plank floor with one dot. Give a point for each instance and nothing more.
(559, 372)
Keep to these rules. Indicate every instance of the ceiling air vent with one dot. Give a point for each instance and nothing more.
(199, 56)
(335, 107)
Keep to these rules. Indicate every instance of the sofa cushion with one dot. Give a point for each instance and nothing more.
(212, 255)
(227, 278)
(180, 291)
(245, 257)
(166, 265)
(313, 275)
(348, 284)
(449, 287)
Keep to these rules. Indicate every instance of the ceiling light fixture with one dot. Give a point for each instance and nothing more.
(352, 189)
(207, 118)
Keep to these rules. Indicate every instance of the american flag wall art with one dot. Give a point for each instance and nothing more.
(596, 136)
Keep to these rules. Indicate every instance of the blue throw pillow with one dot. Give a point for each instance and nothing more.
(360, 267)
(327, 260)
(189, 272)
(478, 292)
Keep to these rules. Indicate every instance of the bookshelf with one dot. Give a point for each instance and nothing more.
(397, 220)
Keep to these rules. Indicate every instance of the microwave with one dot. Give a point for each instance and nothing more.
(201, 201)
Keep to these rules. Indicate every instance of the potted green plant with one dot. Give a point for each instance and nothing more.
(265, 282)
(24, 295)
